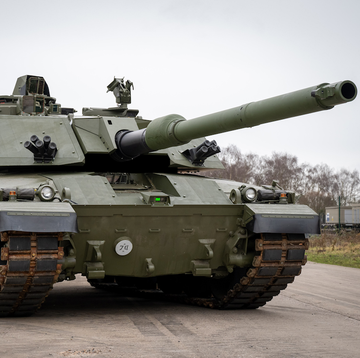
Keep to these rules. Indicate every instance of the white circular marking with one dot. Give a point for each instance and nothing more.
(123, 247)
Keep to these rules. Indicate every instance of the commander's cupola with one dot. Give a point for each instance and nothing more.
(31, 97)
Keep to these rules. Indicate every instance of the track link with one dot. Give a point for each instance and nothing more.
(279, 259)
(28, 269)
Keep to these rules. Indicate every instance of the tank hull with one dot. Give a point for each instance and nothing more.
(119, 235)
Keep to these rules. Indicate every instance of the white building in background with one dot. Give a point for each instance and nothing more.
(349, 215)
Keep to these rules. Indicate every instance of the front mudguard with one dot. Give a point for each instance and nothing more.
(37, 217)
(281, 218)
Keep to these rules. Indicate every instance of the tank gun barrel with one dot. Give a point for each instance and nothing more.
(174, 130)
(269, 110)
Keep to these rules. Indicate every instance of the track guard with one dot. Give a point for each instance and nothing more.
(296, 219)
(37, 217)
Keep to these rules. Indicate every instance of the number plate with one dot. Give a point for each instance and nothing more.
(123, 247)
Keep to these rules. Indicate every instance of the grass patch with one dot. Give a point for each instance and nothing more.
(341, 249)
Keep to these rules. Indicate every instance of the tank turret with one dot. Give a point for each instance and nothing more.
(103, 137)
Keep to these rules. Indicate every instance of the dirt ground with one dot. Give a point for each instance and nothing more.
(316, 316)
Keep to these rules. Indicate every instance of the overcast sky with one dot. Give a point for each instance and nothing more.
(194, 57)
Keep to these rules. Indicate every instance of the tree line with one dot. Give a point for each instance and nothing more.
(316, 186)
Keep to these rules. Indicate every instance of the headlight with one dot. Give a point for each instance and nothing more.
(249, 194)
(46, 193)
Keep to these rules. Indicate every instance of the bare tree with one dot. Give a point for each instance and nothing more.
(347, 186)
(319, 186)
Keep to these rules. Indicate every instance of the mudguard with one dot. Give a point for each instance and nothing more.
(286, 218)
(37, 217)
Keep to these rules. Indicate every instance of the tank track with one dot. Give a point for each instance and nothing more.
(278, 260)
(28, 269)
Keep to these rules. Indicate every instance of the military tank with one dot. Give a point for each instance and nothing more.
(121, 200)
